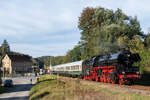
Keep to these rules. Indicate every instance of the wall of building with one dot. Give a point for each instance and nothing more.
(6, 63)
(23, 67)
(16, 66)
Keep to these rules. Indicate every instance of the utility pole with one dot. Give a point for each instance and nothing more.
(50, 61)
(49, 67)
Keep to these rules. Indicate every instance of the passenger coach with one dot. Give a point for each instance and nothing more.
(73, 69)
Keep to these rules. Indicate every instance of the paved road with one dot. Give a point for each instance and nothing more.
(20, 90)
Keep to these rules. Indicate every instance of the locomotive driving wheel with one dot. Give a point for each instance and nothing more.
(130, 82)
(96, 79)
(121, 82)
(105, 77)
(101, 78)
(113, 79)
(85, 78)
(108, 79)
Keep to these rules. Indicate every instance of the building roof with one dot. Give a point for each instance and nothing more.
(34, 61)
(69, 64)
(19, 58)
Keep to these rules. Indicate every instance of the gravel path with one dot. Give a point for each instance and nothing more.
(20, 90)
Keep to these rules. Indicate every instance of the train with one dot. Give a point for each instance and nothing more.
(110, 68)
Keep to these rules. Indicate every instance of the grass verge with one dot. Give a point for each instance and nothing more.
(3, 89)
(50, 87)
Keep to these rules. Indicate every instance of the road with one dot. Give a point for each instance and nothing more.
(20, 90)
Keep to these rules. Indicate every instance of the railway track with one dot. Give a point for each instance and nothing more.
(138, 88)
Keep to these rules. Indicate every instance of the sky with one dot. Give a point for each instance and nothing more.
(50, 27)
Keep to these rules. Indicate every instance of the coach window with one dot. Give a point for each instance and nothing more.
(68, 68)
(79, 67)
(76, 67)
(71, 67)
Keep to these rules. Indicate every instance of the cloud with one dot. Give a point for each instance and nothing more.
(42, 16)
(34, 17)
(43, 49)
(57, 45)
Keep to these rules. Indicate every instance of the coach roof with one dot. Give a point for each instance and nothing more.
(69, 64)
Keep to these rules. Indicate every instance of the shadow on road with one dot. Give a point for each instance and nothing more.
(19, 88)
(17, 92)
(15, 98)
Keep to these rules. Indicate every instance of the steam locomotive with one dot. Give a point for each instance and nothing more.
(111, 68)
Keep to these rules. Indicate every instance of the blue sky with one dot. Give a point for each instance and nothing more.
(49, 27)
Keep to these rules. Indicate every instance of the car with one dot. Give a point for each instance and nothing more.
(8, 83)
(0, 81)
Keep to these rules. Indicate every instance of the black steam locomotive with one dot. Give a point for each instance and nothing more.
(112, 68)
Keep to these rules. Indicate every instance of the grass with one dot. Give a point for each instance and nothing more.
(121, 95)
(3, 89)
(50, 87)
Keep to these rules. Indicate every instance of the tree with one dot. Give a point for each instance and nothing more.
(147, 40)
(3, 50)
(136, 44)
(74, 54)
(105, 31)
(123, 41)
(104, 26)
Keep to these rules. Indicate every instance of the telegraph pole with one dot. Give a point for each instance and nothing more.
(50, 65)
(50, 61)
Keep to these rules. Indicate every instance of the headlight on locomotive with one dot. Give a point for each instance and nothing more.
(137, 72)
(123, 72)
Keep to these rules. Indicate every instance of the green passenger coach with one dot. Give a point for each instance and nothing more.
(73, 69)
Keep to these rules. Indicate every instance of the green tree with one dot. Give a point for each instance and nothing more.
(123, 41)
(74, 54)
(136, 45)
(147, 40)
(104, 26)
(3, 50)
